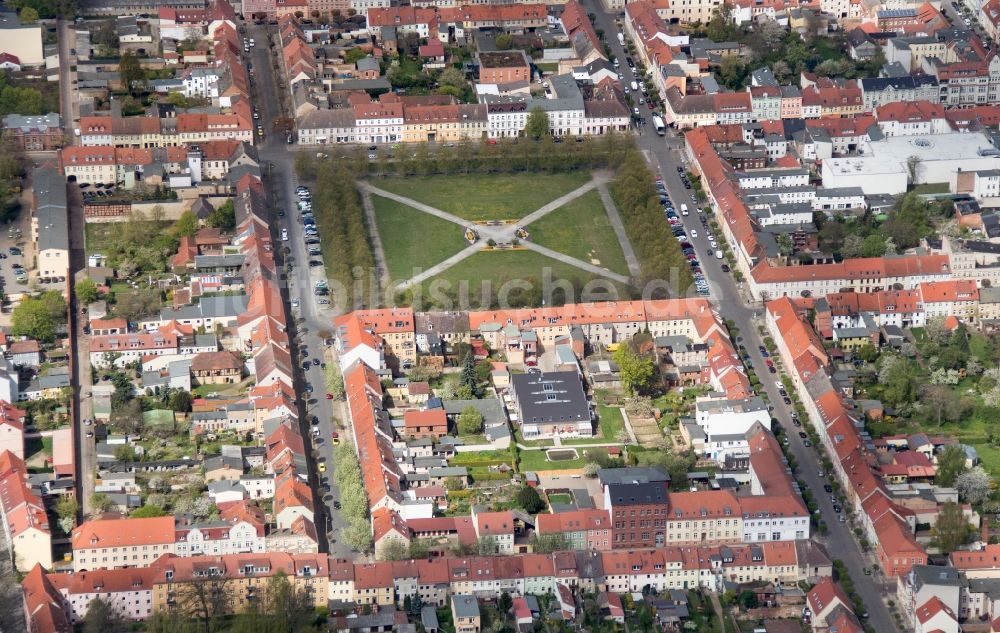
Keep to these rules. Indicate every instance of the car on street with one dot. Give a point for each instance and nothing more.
(787, 400)
(322, 467)
(828, 488)
(803, 434)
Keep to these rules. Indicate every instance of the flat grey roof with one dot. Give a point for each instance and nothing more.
(555, 396)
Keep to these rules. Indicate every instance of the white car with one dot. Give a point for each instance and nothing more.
(694, 233)
(284, 235)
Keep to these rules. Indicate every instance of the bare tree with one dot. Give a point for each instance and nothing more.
(206, 600)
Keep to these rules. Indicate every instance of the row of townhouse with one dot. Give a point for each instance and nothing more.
(884, 522)
(182, 130)
(126, 166)
(392, 336)
(394, 118)
(135, 543)
(902, 308)
(446, 22)
(56, 601)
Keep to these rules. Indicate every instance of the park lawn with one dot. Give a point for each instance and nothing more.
(98, 236)
(413, 239)
(581, 229)
(500, 267)
(486, 197)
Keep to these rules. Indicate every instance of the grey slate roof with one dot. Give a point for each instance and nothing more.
(50, 200)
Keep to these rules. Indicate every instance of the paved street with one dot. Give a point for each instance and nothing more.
(310, 318)
(85, 454)
(665, 153)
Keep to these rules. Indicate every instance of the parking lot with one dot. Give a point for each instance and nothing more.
(16, 235)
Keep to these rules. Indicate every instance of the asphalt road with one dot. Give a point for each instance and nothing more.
(666, 153)
(85, 454)
(310, 317)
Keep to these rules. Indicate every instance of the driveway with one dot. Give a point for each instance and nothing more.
(665, 153)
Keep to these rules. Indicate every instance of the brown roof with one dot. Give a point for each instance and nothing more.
(216, 361)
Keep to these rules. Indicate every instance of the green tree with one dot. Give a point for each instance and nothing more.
(722, 27)
(468, 376)
(186, 225)
(67, 507)
(354, 55)
(125, 453)
(223, 217)
(868, 353)
(39, 317)
(733, 71)
(103, 618)
(180, 401)
(504, 41)
(148, 511)
(950, 464)
(785, 244)
(529, 499)
(86, 291)
(452, 77)
(100, 503)
(537, 124)
(747, 599)
(416, 604)
(28, 15)
(470, 421)
(952, 529)
(636, 372)
(130, 72)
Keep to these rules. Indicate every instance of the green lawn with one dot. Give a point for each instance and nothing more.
(537, 460)
(581, 229)
(500, 267)
(203, 390)
(486, 197)
(611, 422)
(413, 239)
(932, 187)
(562, 498)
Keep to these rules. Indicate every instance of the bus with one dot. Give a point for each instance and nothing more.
(658, 124)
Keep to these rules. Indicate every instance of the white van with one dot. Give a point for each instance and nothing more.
(684, 209)
(718, 254)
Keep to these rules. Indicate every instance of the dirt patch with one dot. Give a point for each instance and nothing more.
(647, 432)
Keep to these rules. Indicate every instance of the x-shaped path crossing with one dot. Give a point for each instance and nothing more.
(501, 233)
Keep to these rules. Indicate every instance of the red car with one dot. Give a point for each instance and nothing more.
(329, 396)
(335, 434)
(769, 362)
